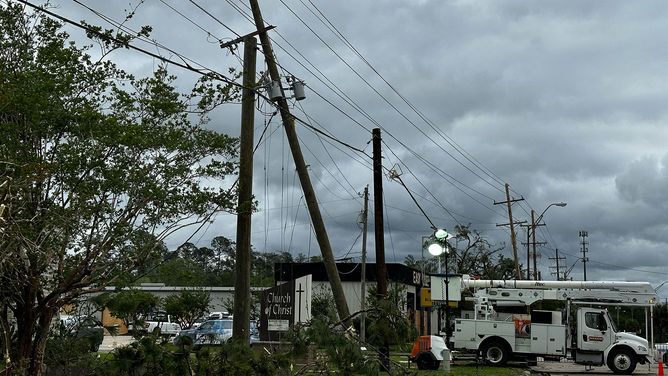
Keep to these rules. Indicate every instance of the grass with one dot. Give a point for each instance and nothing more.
(471, 369)
(468, 368)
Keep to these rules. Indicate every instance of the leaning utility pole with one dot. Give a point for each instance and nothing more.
(240, 327)
(512, 230)
(302, 172)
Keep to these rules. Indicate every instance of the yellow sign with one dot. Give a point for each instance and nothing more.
(426, 298)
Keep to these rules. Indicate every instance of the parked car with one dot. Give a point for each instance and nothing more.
(84, 327)
(210, 332)
(197, 323)
(254, 332)
(167, 324)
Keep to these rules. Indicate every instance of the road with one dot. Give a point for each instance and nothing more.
(565, 369)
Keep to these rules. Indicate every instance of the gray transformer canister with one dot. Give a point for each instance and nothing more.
(298, 89)
(274, 91)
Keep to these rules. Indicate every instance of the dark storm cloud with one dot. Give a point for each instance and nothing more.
(564, 100)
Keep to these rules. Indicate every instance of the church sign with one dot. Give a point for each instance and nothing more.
(283, 306)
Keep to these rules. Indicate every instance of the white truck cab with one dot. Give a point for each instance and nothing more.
(599, 343)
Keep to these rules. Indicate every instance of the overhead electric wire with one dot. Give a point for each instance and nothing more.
(191, 21)
(422, 116)
(385, 99)
(335, 165)
(183, 65)
(187, 66)
(447, 176)
(358, 107)
(213, 17)
(612, 265)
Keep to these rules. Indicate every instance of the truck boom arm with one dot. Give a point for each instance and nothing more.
(527, 292)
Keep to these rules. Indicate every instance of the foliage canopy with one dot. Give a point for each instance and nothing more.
(97, 167)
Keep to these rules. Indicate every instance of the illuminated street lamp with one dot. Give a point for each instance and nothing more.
(438, 244)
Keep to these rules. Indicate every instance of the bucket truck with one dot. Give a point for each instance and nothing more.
(590, 339)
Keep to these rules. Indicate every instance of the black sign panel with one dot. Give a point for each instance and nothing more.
(277, 315)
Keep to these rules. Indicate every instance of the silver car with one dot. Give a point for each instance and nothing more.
(210, 333)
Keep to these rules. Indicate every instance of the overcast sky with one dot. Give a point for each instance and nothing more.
(566, 101)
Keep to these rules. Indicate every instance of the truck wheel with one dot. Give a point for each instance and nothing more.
(495, 354)
(425, 361)
(622, 361)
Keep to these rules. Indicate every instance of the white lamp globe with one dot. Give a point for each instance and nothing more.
(435, 249)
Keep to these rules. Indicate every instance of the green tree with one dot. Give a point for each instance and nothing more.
(387, 319)
(188, 306)
(201, 256)
(470, 253)
(129, 306)
(180, 272)
(473, 254)
(91, 156)
(223, 263)
(262, 267)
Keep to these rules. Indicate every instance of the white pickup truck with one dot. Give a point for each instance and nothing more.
(167, 324)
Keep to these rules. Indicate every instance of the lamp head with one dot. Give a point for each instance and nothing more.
(440, 233)
(435, 249)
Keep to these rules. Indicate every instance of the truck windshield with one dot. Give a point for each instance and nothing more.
(612, 323)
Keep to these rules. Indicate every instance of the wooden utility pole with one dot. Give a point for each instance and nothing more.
(381, 268)
(512, 230)
(557, 258)
(531, 231)
(379, 232)
(302, 172)
(240, 327)
(363, 292)
(534, 243)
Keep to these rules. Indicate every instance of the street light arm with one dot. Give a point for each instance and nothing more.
(540, 217)
(562, 204)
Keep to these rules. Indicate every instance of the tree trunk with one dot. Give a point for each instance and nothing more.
(30, 355)
(37, 366)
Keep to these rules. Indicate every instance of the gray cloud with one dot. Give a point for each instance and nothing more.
(563, 100)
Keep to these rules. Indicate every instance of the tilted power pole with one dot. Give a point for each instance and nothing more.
(302, 172)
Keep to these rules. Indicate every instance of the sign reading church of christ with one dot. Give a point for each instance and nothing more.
(283, 306)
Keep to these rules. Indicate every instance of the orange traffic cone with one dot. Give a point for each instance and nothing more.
(660, 373)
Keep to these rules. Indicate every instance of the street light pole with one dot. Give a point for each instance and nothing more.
(437, 248)
(534, 224)
(447, 297)
(422, 332)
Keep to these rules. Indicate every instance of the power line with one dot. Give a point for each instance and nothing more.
(414, 108)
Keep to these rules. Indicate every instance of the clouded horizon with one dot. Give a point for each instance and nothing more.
(566, 101)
